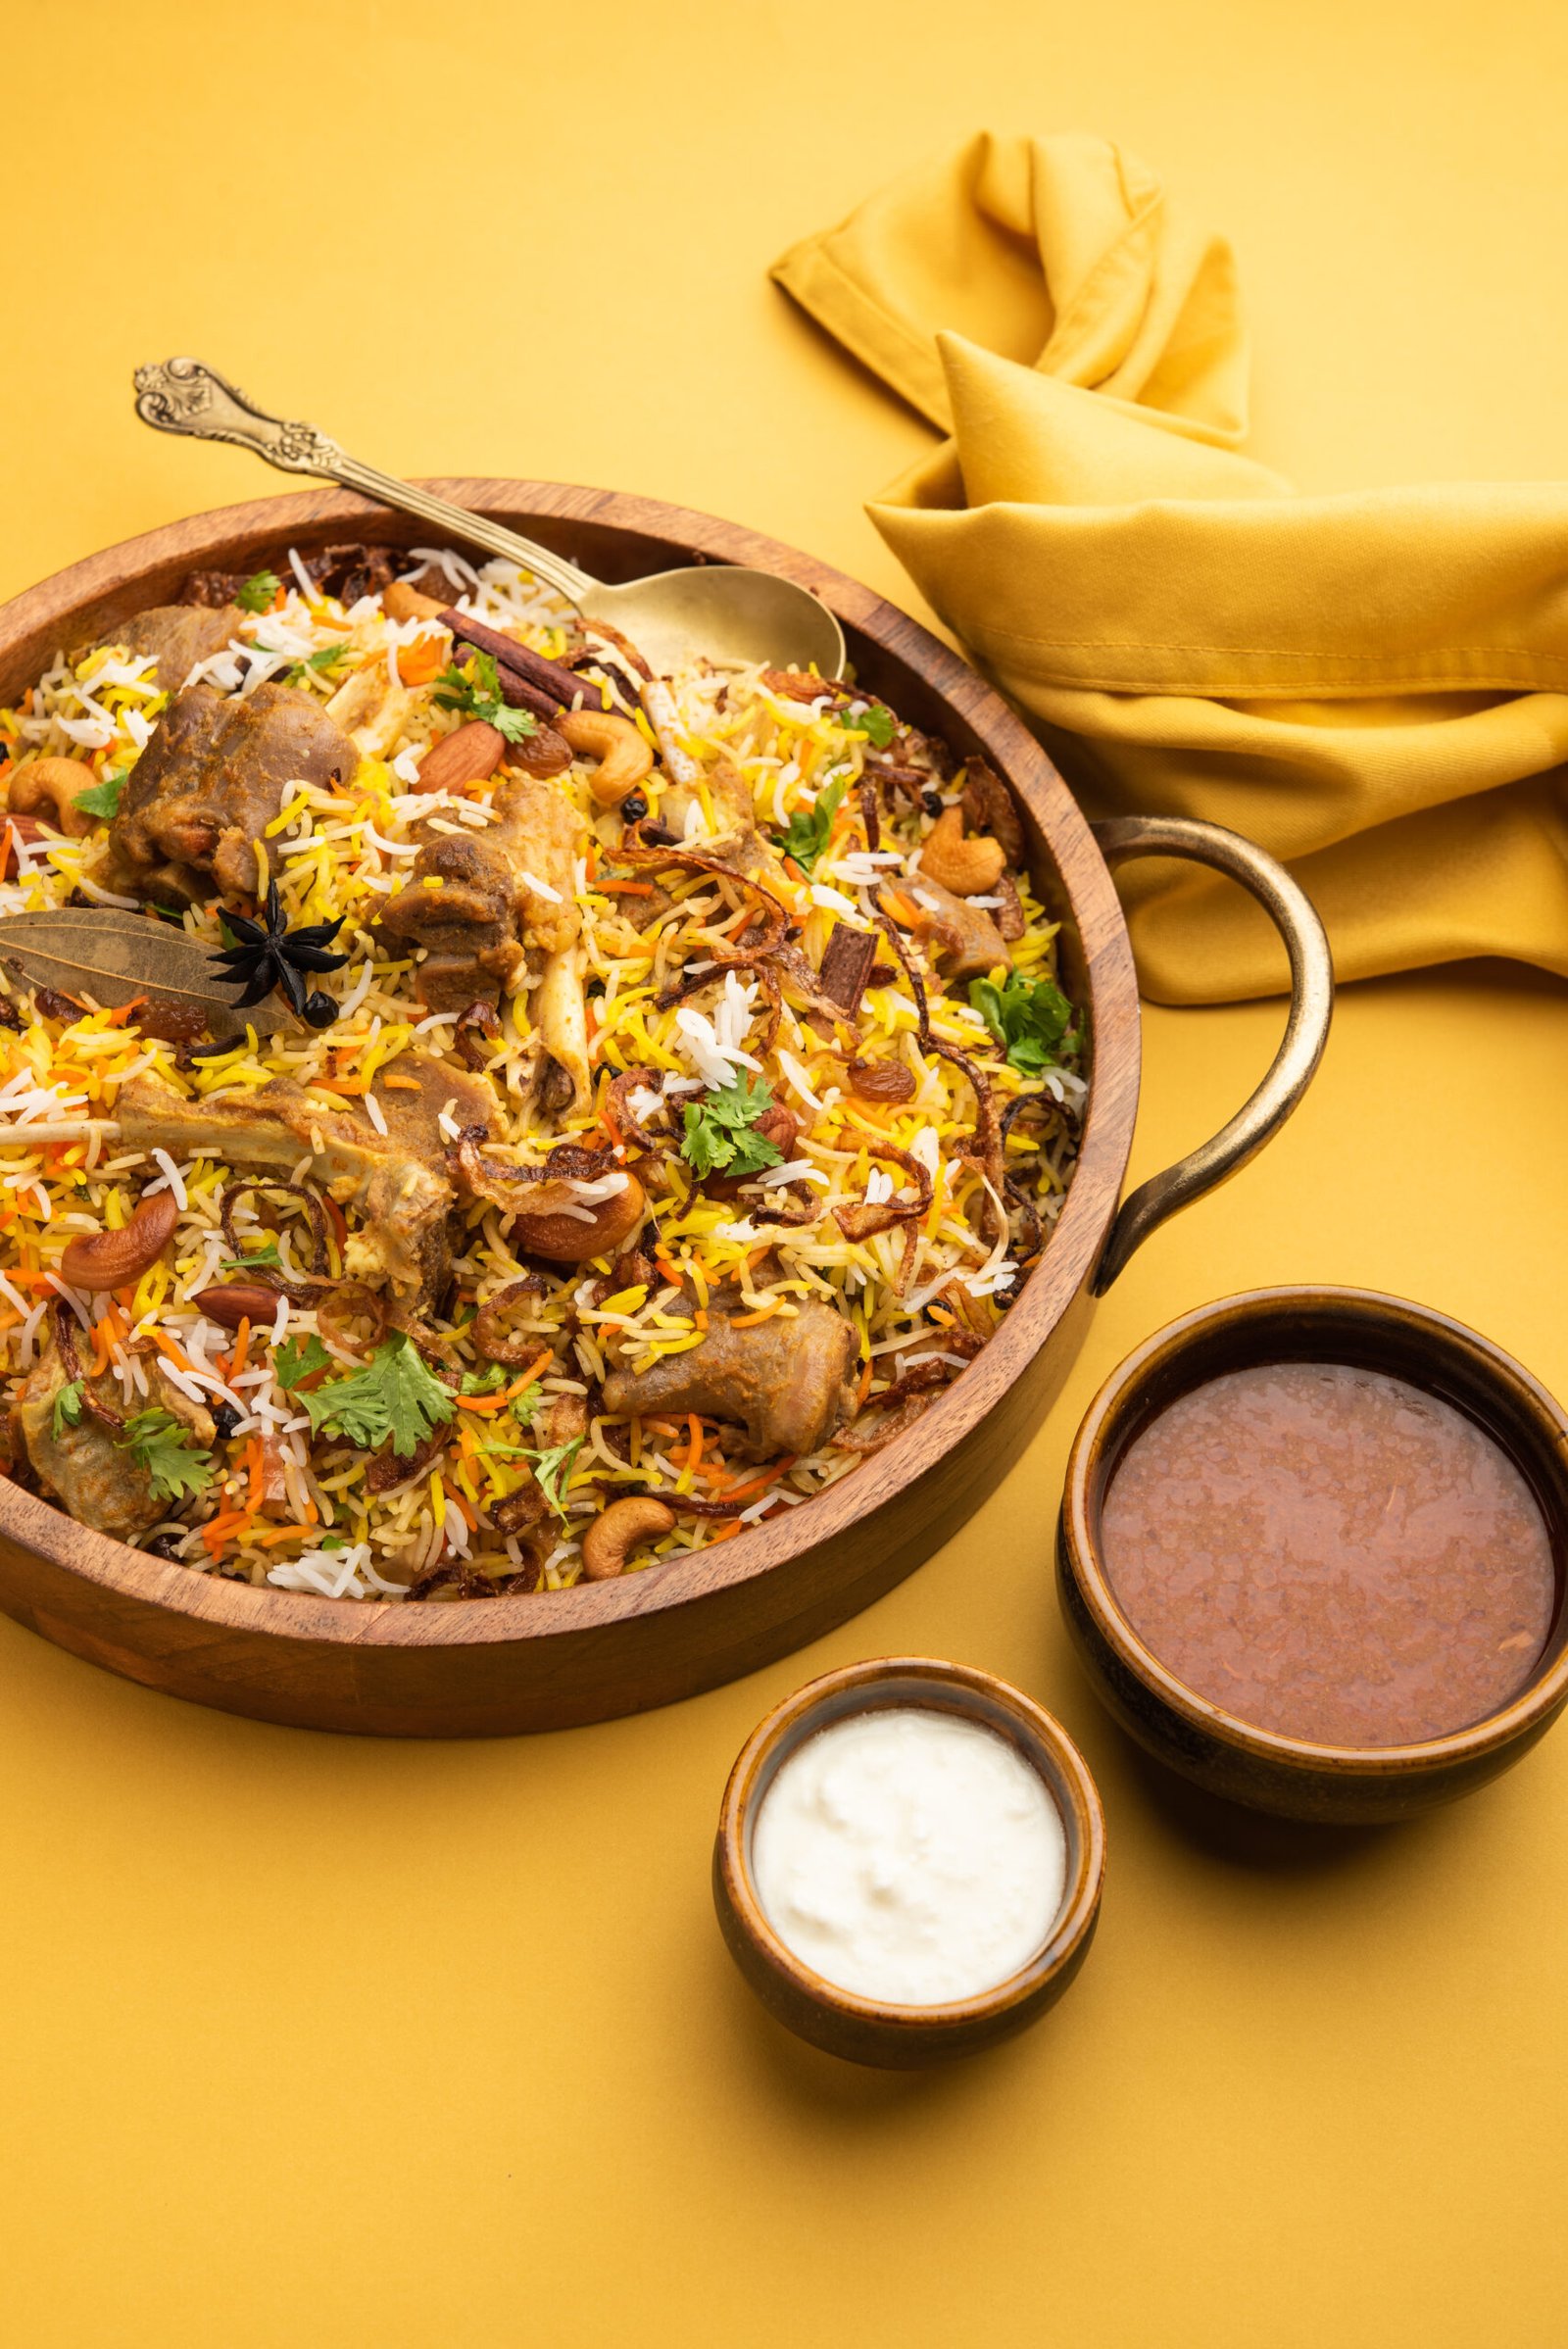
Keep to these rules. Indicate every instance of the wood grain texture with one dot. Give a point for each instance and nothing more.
(555, 1659)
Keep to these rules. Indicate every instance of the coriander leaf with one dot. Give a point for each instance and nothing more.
(877, 724)
(296, 1358)
(103, 799)
(393, 1396)
(1031, 1018)
(258, 591)
(67, 1408)
(475, 692)
(266, 1254)
(806, 835)
(512, 725)
(551, 1470)
(701, 1142)
(327, 658)
(486, 1380)
(721, 1136)
(331, 1542)
(174, 1466)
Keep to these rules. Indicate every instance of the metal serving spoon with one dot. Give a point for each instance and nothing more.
(725, 612)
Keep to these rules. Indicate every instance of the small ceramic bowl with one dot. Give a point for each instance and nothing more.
(862, 2030)
(1268, 1772)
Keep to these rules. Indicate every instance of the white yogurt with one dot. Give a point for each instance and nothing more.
(909, 1856)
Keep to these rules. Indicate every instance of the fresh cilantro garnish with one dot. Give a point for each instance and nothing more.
(296, 1358)
(1030, 1018)
(258, 591)
(331, 1542)
(486, 1380)
(67, 1408)
(103, 798)
(809, 829)
(266, 1254)
(327, 658)
(720, 1130)
(877, 724)
(174, 1466)
(393, 1396)
(475, 692)
(551, 1470)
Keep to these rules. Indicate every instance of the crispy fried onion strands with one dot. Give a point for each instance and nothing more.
(470, 1582)
(872, 1438)
(306, 1193)
(684, 1505)
(505, 1187)
(619, 1106)
(861, 1221)
(774, 918)
(474, 1025)
(987, 1131)
(489, 1327)
(71, 1363)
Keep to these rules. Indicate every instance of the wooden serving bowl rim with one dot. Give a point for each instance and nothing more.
(1306, 1320)
(107, 586)
(911, 1683)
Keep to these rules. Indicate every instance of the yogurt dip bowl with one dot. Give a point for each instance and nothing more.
(878, 2030)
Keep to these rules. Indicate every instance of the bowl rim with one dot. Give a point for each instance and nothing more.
(1068, 1781)
(1088, 1465)
(312, 518)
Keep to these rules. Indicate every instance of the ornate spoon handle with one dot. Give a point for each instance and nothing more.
(184, 395)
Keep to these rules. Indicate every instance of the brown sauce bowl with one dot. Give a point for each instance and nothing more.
(1217, 1750)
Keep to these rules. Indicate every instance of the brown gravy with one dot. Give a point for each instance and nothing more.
(1331, 1554)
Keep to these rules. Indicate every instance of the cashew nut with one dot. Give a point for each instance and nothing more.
(614, 1534)
(970, 868)
(623, 756)
(105, 1260)
(54, 783)
(400, 602)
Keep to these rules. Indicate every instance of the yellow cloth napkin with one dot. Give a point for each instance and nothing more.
(1374, 686)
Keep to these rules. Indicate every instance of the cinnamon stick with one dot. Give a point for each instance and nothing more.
(545, 676)
(846, 961)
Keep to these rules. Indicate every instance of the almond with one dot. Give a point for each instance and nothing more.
(471, 754)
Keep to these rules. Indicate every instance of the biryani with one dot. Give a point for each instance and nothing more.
(614, 1105)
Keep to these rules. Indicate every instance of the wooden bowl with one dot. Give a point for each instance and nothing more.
(553, 1659)
(1288, 1776)
(863, 2029)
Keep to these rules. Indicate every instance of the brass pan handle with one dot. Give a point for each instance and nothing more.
(1306, 1031)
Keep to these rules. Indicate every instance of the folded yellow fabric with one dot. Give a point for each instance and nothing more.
(1375, 685)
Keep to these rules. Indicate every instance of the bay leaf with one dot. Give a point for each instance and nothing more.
(115, 956)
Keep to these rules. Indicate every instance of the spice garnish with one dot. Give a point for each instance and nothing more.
(276, 957)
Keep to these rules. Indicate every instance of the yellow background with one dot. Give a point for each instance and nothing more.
(307, 2040)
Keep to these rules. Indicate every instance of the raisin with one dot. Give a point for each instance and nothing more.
(225, 1419)
(634, 807)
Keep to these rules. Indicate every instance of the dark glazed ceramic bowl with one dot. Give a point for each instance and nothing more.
(861, 2029)
(1228, 1756)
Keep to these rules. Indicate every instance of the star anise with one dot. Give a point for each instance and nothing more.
(277, 957)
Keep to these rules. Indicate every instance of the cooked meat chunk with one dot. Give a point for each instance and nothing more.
(210, 782)
(473, 899)
(84, 1466)
(964, 933)
(786, 1382)
(411, 1096)
(397, 1185)
(179, 635)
